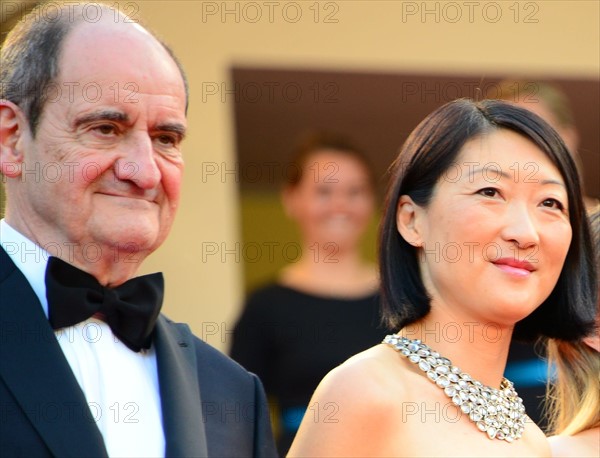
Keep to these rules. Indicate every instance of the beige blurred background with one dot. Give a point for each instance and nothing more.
(553, 38)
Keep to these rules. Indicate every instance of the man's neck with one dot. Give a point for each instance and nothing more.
(111, 265)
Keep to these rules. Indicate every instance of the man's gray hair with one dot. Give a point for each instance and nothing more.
(31, 52)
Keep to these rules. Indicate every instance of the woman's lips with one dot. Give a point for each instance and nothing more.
(515, 267)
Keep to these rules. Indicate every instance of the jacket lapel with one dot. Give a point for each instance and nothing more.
(179, 390)
(36, 372)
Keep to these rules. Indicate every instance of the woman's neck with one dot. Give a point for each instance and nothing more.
(331, 272)
(477, 348)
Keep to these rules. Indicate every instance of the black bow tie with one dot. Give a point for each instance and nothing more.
(129, 309)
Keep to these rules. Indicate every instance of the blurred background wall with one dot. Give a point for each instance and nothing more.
(545, 39)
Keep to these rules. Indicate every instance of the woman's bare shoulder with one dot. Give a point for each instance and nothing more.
(584, 444)
(374, 373)
(358, 396)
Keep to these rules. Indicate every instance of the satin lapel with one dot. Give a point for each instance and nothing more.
(179, 391)
(36, 372)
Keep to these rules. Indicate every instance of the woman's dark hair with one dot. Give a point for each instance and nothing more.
(430, 150)
(315, 142)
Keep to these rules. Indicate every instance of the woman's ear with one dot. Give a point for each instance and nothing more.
(408, 221)
(593, 341)
(13, 127)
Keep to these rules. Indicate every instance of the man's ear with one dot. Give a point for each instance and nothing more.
(13, 126)
(408, 221)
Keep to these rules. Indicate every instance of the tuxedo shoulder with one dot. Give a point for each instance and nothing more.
(209, 359)
(7, 266)
(208, 354)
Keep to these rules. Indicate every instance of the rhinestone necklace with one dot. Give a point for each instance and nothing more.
(499, 413)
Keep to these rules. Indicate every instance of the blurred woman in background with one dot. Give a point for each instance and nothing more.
(323, 308)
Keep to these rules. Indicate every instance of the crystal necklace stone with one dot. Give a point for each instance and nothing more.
(499, 414)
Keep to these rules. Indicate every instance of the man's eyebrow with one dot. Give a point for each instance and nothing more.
(174, 127)
(119, 116)
(102, 115)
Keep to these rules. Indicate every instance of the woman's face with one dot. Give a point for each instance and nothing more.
(496, 232)
(333, 202)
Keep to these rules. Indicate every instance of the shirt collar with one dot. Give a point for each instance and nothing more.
(30, 259)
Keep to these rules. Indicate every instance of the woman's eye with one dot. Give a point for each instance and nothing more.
(553, 203)
(488, 192)
(355, 192)
(323, 191)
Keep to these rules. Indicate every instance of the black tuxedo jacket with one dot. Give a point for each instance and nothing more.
(210, 405)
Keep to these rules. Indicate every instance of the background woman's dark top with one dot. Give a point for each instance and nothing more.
(292, 339)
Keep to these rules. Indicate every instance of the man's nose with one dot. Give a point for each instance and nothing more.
(138, 163)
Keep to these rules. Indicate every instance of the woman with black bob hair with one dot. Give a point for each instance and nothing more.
(429, 154)
(484, 237)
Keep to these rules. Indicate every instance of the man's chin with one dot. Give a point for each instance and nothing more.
(132, 236)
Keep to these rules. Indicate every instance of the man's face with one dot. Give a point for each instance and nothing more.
(107, 149)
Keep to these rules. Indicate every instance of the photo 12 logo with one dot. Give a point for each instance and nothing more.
(470, 12)
(270, 12)
(253, 252)
(56, 11)
(270, 92)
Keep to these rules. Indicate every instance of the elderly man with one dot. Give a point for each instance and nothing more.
(92, 116)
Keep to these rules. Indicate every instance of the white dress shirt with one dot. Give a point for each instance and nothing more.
(120, 385)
